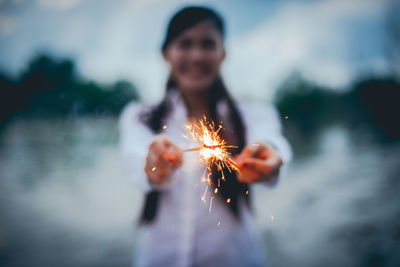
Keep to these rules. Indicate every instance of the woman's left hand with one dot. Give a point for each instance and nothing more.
(258, 163)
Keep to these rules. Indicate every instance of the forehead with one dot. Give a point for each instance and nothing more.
(203, 29)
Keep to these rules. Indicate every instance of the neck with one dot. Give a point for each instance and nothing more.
(196, 104)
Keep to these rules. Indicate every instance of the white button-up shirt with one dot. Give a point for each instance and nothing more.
(188, 231)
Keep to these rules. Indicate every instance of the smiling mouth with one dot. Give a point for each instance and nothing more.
(196, 72)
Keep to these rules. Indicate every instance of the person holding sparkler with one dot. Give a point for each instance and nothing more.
(197, 212)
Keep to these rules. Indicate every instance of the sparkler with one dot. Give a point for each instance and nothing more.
(213, 149)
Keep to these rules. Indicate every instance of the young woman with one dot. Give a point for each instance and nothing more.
(187, 222)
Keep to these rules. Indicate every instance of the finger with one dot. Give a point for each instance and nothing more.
(162, 150)
(151, 159)
(255, 150)
(275, 160)
(154, 159)
(152, 175)
(153, 164)
(162, 141)
(163, 153)
(173, 153)
(163, 171)
(168, 157)
(248, 176)
(259, 165)
(158, 167)
(166, 142)
(262, 153)
(158, 172)
(157, 147)
(247, 152)
(177, 152)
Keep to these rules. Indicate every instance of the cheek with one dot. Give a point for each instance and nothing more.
(214, 60)
(179, 65)
(176, 59)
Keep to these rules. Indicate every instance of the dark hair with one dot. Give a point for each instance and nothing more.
(156, 117)
(188, 17)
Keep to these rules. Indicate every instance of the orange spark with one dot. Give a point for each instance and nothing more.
(203, 197)
(209, 210)
(213, 149)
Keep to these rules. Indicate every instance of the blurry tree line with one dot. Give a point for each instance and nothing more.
(52, 88)
(370, 106)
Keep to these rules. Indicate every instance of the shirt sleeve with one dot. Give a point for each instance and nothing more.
(263, 125)
(134, 140)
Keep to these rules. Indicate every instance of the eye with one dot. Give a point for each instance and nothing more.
(209, 44)
(184, 44)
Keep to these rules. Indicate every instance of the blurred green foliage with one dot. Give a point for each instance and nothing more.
(375, 103)
(308, 105)
(369, 106)
(50, 87)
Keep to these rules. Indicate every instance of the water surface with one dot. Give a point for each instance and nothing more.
(65, 201)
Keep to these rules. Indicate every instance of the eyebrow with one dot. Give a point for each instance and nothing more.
(206, 36)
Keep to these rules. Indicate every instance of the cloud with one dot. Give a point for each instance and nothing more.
(7, 24)
(59, 4)
(313, 38)
(137, 4)
(121, 39)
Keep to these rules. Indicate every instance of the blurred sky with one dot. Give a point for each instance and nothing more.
(329, 41)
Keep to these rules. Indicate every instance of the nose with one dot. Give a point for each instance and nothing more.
(196, 54)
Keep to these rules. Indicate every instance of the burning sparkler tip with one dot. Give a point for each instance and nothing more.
(213, 149)
(214, 152)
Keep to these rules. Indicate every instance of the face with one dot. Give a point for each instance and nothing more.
(195, 57)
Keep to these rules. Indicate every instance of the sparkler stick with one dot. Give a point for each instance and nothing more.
(203, 147)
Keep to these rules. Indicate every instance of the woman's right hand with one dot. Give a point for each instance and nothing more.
(163, 158)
